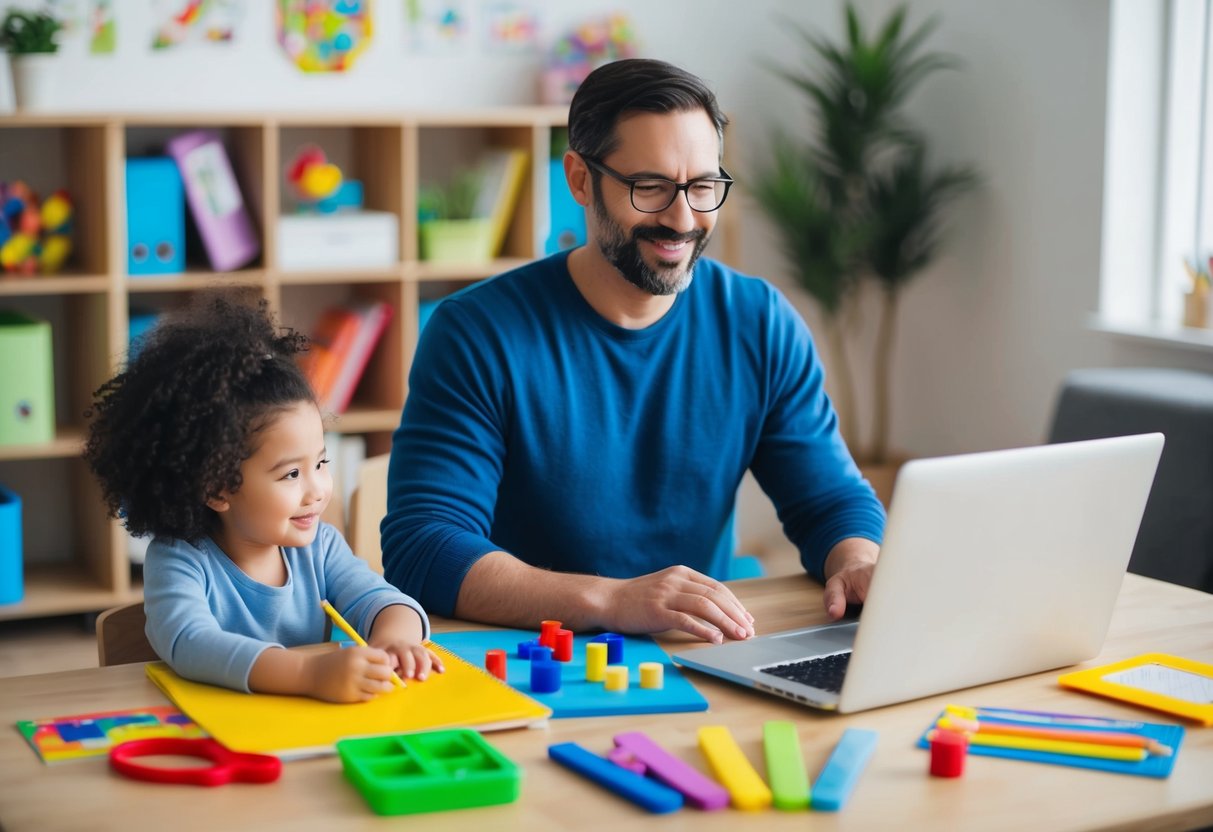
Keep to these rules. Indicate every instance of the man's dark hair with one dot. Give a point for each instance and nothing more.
(635, 85)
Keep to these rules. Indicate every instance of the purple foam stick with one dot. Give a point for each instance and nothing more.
(660, 764)
(624, 759)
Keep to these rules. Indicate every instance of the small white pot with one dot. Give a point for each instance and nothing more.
(34, 80)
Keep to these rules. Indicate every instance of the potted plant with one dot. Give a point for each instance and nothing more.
(449, 229)
(857, 203)
(29, 39)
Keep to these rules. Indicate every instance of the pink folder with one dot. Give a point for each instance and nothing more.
(214, 198)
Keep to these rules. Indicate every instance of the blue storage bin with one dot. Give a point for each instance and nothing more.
(12, 582)
(155, 217)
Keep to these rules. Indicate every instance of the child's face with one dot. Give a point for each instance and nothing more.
(286, 486)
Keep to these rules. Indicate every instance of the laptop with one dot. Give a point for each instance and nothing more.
(994, 565)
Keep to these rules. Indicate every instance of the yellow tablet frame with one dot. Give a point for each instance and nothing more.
(1092, 681)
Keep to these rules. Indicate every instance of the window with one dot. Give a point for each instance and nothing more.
(1158, 196)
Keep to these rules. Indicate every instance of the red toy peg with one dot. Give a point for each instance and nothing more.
(564, 645)
(494, 662)
(948, 750)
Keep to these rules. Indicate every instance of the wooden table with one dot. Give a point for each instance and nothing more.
(894, 793)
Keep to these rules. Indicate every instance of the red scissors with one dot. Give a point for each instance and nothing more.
(228, 766)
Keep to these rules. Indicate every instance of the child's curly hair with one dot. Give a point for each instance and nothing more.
(172, 430)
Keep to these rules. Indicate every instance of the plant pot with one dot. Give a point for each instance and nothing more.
(34, 80)
(457, 241)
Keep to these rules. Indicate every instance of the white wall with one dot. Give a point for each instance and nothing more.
(986, 334)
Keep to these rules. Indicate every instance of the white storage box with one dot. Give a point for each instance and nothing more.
(341, 240)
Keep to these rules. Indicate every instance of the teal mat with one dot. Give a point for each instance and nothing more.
(576, 696)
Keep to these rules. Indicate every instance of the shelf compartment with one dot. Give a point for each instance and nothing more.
(64, 589)
(61, 283)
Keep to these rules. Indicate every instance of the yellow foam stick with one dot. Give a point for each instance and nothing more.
(595, 661)
(730, 766)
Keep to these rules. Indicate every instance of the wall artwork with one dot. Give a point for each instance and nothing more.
(102, 27)
(437, 26)
(511, 27)
(180, 22)
(324, 35)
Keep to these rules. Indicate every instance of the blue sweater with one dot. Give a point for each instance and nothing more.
(536, 427)
(210, 621)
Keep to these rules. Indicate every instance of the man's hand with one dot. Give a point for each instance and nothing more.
(676, 598)
(848, 571)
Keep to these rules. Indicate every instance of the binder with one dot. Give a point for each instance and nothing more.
(27, 379)
(214, 199)
(298, 726)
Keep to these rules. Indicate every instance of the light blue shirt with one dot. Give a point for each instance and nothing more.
(210, 621)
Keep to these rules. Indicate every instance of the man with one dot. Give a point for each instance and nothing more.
(576, 429)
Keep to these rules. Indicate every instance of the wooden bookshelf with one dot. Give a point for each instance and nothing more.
(76, 557)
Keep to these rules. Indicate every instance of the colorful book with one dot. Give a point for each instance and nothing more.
(61, 738)
(502, 175)
(298, 726)
(373, 318)
(331, 342)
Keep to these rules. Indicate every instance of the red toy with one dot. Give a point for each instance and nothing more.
(948, 750)
(229, 766)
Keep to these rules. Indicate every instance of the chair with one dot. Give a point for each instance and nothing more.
(368, 505)
(1175, 542)
(121, 638)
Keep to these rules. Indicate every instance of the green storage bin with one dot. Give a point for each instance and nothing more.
(27, 380)
(457, 241)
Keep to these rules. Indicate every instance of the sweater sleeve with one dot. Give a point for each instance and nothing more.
(801, 461)
(446, 464)
(182, 628)
(354, 590)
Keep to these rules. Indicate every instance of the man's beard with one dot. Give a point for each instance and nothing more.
(622, 250)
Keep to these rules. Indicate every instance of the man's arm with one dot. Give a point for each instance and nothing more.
(500, 589)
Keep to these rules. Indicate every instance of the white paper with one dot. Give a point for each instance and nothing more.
(1158, 678)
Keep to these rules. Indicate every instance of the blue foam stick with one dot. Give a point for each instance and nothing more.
(642, 791)
(842, 770)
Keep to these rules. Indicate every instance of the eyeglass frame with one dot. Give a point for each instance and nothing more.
(684, 187)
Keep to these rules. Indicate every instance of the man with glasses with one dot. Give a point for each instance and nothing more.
(576, 429)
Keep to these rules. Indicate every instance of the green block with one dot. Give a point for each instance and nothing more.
(785, 766)
(429, 771)
(27, 380)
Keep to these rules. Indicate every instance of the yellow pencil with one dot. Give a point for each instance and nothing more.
(1077, 749)
(345, 627)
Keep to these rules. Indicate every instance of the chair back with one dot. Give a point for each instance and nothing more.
(368, 505)
(121, 638)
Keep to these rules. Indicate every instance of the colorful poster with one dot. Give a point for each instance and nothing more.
(511, 27)
(436, 25)
(195, 21)
(324, 35)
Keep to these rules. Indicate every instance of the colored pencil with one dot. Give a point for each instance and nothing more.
(1074, 749)
(1042, 717)
(345, 627)
(1095, 737)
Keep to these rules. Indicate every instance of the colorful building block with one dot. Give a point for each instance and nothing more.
(614, 643)
(595, 661)
(547, 633)
(785, 766)
(545, 675)
(640, 790)
(842, 770)
(652, 675)
(948, 751)
(617, 678)
(525, 647)
(564, 645)
(494, 662)
(429, 771)
(634, 750)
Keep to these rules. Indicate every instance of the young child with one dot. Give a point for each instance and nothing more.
(212, 441)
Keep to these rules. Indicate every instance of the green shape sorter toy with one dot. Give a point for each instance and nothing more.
(429, 771)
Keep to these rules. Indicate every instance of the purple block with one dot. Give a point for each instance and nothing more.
(545, 676)
(663, 766)
(614, 643)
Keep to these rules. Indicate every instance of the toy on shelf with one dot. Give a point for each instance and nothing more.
(319, 185)
(580, 52)
(34, 237)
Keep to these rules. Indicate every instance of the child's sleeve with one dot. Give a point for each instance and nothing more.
(351, 586)
(181, 626)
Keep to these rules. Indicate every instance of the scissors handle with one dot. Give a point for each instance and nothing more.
(228, 766)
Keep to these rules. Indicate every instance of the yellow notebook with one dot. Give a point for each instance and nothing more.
(297, 726)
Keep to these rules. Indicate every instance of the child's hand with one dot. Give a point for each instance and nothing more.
(398, 631)
(353, 674)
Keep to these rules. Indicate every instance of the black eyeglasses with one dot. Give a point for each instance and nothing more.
(653, 195)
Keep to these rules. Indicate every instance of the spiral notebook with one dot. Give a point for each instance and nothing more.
(298, 726)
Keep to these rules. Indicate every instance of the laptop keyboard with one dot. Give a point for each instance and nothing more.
(821, 672)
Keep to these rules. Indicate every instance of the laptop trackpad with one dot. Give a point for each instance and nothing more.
(817, 642)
